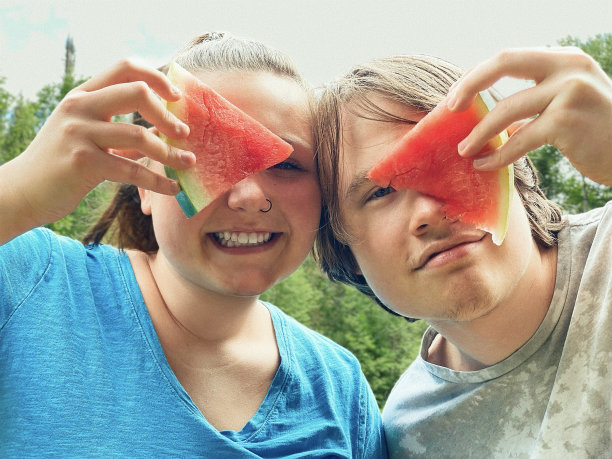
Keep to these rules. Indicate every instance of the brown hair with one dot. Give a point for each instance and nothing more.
(420, 82)
(123, 222)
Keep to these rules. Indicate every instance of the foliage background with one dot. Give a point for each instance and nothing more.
(384, 344)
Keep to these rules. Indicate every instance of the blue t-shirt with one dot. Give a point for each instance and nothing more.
(82, 373)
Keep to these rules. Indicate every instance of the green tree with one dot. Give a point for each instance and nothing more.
(21, 128)
(6, 102)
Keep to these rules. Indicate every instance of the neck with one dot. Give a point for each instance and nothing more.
(484, 341)
(190, 313)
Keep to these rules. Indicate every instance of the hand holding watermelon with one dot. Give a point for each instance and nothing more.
(570, 107)
(79, 147)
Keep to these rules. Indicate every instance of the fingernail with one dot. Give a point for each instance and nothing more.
(175, 187)
(188, 157)
(481, 163)
(182, 128)
(176, 91)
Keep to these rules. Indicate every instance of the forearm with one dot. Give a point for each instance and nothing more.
(16, 213)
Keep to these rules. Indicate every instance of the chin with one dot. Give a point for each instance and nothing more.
(471, 307)
(457, 305)
(250, 286)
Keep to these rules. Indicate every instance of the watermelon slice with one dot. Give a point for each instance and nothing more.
(426, 160)
(229, 145)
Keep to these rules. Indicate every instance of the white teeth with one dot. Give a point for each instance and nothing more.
(233, 239)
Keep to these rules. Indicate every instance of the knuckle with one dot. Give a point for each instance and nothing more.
(170, 152)
(134, 171)
(141, 89)
(579, 91)
(80, 158)
(72, 129)
(137, 134)
(578, 85)
(583, 61)
(71, 102)
(126, 64)
(505, 55)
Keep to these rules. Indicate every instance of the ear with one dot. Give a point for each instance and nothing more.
(145, 201)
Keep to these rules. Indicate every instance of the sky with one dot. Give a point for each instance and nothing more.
(324, 37)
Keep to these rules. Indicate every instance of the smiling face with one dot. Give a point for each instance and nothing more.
(418, 263)
(232, 247)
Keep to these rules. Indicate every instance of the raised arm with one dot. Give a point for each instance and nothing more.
(79, 147)
(569, 107)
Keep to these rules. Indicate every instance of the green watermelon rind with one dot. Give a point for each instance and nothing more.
(506, 174)
(182, 197)
(189, 197)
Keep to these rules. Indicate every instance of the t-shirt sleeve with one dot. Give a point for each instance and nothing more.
(23, 263)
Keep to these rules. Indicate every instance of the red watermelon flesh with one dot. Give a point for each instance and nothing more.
(229, 144)
(426, 160)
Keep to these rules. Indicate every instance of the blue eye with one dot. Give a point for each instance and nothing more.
(286, 165)
(381, 192)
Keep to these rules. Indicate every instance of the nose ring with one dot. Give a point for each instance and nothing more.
(268, 209)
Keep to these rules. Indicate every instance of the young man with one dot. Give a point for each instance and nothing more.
(516, 361)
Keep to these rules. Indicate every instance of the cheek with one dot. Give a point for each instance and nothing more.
(378, 247)
(304, 204)
(169, 221)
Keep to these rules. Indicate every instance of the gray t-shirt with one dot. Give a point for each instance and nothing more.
(551, 398)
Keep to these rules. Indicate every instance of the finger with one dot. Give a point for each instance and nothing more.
(137, 141)
(516, 126)
(530, 64)
(524, 104)
(123, 170)
(134, 155)
(529, 137)
(127, 71)
(131, 97)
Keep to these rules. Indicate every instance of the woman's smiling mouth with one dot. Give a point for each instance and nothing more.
(241, 239)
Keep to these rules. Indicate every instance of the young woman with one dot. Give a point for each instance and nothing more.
(164, 348)
(516, 361)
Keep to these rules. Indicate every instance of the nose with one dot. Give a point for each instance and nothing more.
(426, 214)
(247, 195)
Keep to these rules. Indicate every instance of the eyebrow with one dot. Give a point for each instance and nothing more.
(295, 141)
(357, 183)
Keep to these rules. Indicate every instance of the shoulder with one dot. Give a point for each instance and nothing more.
(23, 263)
(591, 217)
(42, 254)
(588, 230)
(38, 240)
